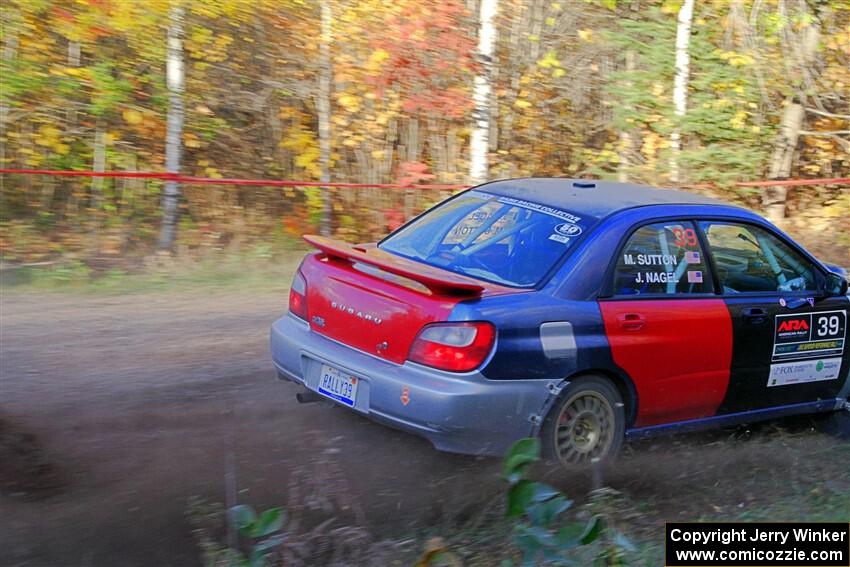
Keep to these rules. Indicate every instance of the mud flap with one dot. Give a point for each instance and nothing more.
(538, 418)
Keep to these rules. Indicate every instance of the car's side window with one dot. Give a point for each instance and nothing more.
(662, 258)
(750, 259)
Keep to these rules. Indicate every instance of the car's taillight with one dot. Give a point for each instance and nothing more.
(456, 347)
(298, 296)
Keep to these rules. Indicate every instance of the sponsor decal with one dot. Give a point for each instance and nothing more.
(794, 325)
(559, 238)
(809, 335)
(694, 276)
(692, 257)
(801, 372)
(568, 229)
(405, 396)
(569, 217)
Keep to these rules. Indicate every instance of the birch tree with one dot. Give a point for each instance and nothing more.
(627, 143)
(324, 111)
(680, 83)
(803, 49)
(175, 80)
(479, 140)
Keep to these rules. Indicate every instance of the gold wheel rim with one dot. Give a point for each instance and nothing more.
(584, 430)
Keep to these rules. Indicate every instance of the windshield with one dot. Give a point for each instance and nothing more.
(495, 238)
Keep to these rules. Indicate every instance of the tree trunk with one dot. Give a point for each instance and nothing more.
(627, 144)
(98, 164)
(324, 109)
(74, 59)
(793, 116)
(783, 157)
(9, 19)
(175, 78)
(479, 140)
(680, 84)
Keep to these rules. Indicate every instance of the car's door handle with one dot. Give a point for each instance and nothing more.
(631, 321)
(754, 315)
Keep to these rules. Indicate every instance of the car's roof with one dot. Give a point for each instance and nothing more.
(592, 198)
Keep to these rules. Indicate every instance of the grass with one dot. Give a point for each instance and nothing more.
(747, 487)
(260, 268)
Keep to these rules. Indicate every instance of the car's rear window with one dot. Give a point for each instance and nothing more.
(492, 237)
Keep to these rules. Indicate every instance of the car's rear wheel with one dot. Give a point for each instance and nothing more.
(586, 425)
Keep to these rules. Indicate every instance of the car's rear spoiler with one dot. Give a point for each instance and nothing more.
(437, 280)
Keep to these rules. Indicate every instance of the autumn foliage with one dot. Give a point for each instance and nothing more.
(580, 88)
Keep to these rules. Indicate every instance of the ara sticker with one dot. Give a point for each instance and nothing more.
(405, 395)
(809, 335)
(692, 257)
(694, 276)
(559, 238)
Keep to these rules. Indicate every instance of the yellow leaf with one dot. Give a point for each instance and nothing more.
(191, 141)
(350, 102)
(585, 35)
(558, 73)
(522, 103)
(132, 116)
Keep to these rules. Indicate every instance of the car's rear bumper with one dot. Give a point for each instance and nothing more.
(462, 413)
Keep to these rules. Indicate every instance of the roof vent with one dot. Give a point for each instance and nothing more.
(584, 184)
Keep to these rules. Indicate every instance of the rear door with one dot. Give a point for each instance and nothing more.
(789, 340)
(666, 328)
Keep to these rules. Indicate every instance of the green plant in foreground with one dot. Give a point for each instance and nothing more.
(539, 535)
(264, 531)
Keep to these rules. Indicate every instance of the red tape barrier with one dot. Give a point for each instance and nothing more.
(291, 183)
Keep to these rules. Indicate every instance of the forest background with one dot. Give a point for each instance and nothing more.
(698, 94)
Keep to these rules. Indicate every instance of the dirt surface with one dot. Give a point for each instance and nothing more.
(115, 411)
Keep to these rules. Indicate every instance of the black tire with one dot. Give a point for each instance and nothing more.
(586, 425)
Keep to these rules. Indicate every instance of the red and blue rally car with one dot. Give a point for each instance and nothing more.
(577, 311)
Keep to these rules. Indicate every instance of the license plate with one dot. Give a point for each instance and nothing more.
(338, 385)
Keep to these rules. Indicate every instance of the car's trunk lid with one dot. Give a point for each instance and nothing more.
(377, 302)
